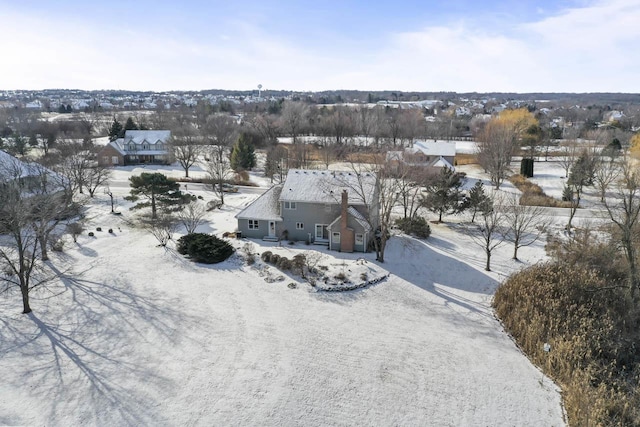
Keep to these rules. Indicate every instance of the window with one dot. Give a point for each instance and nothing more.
(299, 226)
(359, 239)
(114, 160)
(289, 205)
(253, 224)
(335, 237)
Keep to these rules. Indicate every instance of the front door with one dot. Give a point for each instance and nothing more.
(272, 229)
(321, 232)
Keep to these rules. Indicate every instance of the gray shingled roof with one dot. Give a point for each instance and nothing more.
(265, 207)
(314, 186)
(150, 136)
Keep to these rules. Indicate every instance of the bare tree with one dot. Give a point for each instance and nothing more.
(221, 133)
(186, 146)
(568, 155)
(526, 224)
(162, 228)
(277, 163)
(606, 173)
(624, 209)
(490, 231)
(294, 119)
(192, 216)
(410, 183)
(496, 148)
(21, 266)
(96, 176)
(379, 203)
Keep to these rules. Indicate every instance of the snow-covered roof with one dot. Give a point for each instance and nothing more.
(442, 163)
(265, 207)
(435, 148)
(12, 168)
(148, 136)
(313, 186)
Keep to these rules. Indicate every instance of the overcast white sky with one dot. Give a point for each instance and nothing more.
(459, 45)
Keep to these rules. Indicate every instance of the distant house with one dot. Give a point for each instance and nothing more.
(137, 146)
(430, 156)
(321, 207)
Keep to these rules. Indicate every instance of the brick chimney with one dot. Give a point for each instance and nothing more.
(347, 236)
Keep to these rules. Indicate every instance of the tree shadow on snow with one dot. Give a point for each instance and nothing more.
(77, 362)
(438, 273)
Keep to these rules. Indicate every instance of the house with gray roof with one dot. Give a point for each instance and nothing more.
(429, 156)
(334, 208)
(137, 146)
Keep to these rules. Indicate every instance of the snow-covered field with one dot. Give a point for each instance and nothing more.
(137, 335)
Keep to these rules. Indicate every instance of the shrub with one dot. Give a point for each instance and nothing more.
(266, 256)
(249, 253)
(204, 248)
(417, 226)
(75, 229)
(364, 276)
(242, 176)
(297, 264)
(592, 327)
(284, 264)
(340, 276)
(274, 259)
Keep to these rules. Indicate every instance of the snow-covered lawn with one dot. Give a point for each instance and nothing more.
(137, 335)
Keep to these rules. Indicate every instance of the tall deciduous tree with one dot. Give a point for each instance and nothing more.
(525, 224)
(221, 133)
(490, 231)
(624, 210)
(155, 190)
(186, 146)
(499, 140)
(379, 203)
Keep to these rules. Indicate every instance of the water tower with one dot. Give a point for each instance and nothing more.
(259, 91)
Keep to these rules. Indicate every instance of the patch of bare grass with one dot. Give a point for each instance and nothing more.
(533, 195)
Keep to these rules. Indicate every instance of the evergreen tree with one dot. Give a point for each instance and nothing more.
(18, 145)
(478, 200)
(130, 124)
(115, 130)
(445, 194)
(243, 156)
(156, 191)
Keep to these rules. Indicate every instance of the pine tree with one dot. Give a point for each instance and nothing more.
(115, 130)
(478, 200)
(130, 124)
(243, 156)
(445, 193)
(157, 191)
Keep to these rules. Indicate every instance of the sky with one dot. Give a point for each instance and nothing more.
(455, 45)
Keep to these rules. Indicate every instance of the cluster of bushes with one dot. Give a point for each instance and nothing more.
(416, 226)
(593, 326)
(204, 248)
(532, 194)
(296, 265)
(282, 262)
